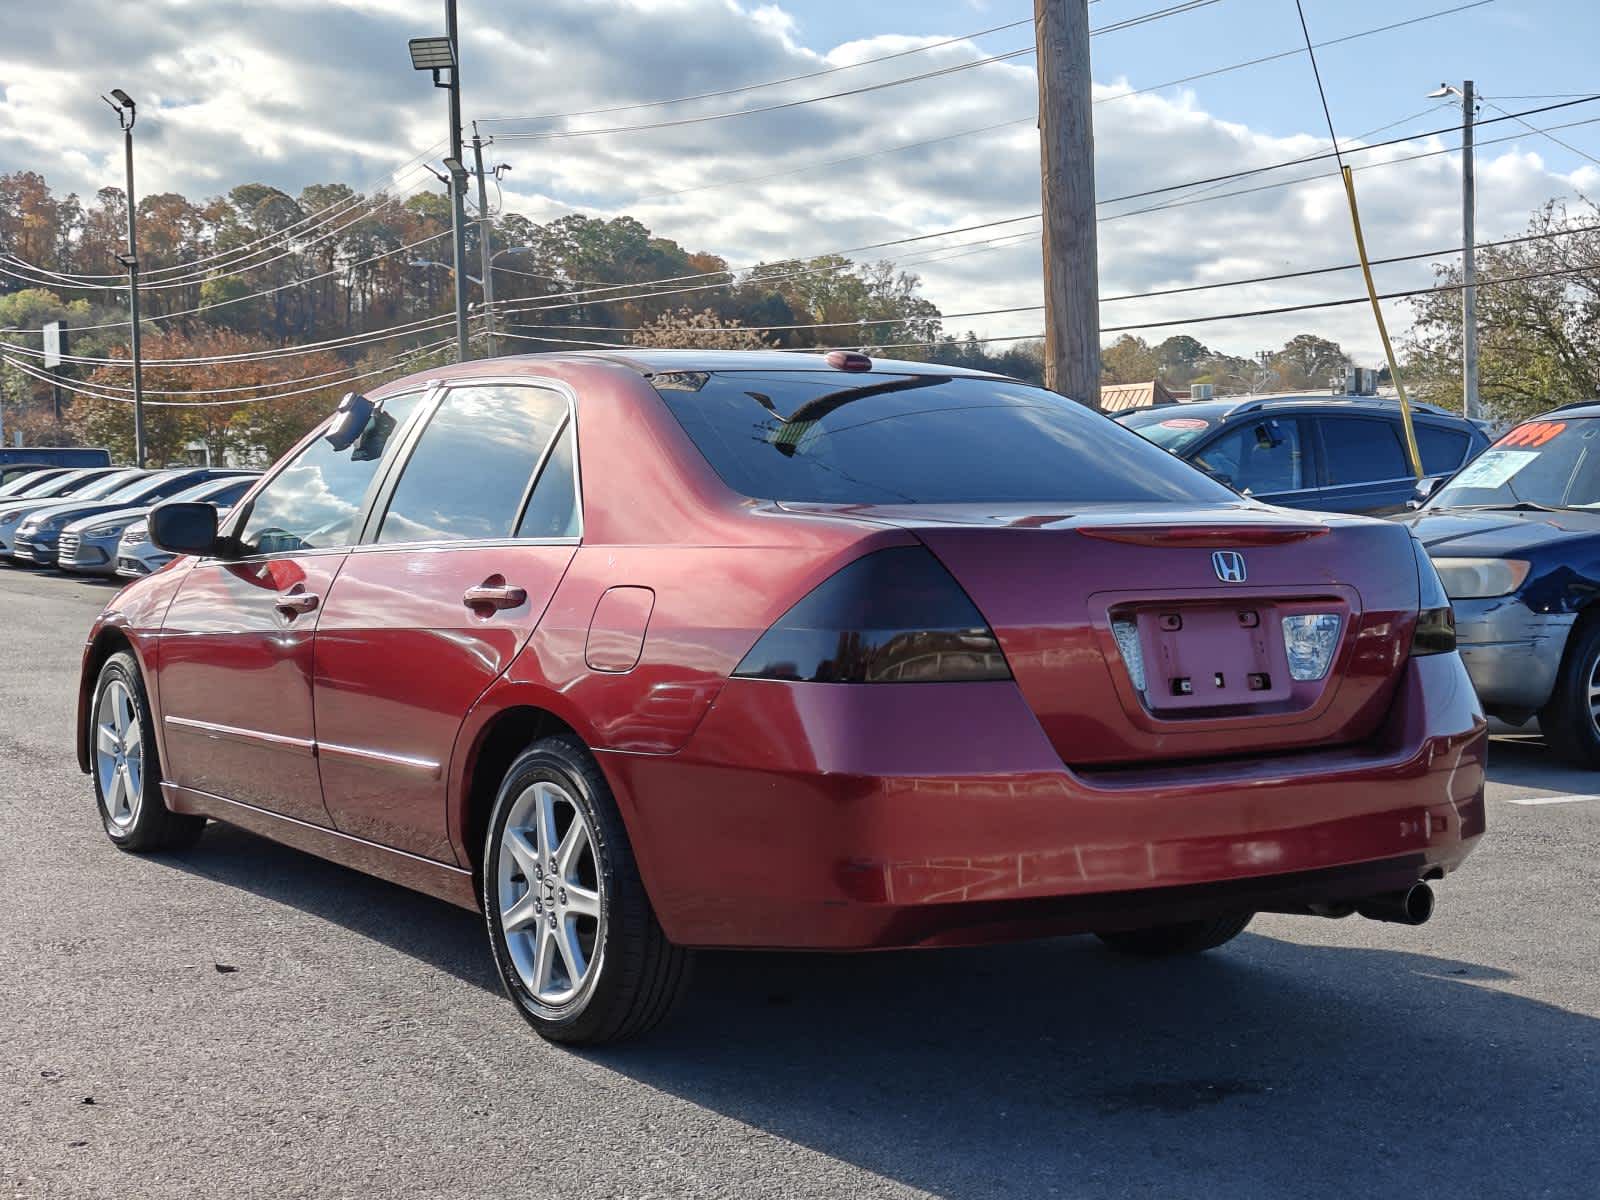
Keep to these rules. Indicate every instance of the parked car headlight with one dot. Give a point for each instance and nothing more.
(1480, 578)
(104, 529)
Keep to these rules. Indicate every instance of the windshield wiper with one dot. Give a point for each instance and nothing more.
(1513, 506)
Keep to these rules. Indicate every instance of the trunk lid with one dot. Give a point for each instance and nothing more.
(1061, 589)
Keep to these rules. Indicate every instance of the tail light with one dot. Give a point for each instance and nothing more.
(1436, 620)
(893, 616)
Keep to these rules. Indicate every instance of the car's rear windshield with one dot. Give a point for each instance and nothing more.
(1171, 430)
(886, 438)
(1552, 463)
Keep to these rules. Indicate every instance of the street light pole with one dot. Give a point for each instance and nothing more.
(484, 251)
(1470, 407)
(127, 113)
(458, 218)
(1469, 268)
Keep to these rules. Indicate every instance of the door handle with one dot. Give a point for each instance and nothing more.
(494, 596)
(296, 603)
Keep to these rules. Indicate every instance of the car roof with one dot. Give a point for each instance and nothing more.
(656, 362)
(1223, 409)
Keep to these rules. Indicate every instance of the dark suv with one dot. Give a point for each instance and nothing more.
(1330, 453)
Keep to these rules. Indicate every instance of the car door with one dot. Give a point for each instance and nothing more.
(1265, 456)
(236, 647)
(462, 555)
(1365, 469)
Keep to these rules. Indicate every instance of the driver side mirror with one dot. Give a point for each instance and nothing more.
(1425, 489)
(185, 528)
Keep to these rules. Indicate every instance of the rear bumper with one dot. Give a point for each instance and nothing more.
(1512, 653)
(837, 817)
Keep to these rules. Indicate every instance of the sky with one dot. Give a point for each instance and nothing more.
(292, 92)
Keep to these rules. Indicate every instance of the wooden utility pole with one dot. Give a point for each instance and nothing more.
(1066, 149)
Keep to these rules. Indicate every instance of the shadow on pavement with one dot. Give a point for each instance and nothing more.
(1268, 1068)
(1525, 761)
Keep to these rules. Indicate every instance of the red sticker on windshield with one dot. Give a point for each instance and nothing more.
(1534, 433)
(1184, 423)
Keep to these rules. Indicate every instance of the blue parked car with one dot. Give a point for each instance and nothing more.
(1329, 453)
(1516, 540)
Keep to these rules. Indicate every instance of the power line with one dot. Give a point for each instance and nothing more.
(1544, 133)
(292, 230)
(752, 87)
(548, 135)
(187, 312)
(330, 345)
(98, 395)
(194, 280)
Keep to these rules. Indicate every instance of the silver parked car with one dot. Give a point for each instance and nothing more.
(91, 545)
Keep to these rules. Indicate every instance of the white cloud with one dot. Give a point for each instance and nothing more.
(293, 92)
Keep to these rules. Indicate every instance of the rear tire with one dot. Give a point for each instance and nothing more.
(574, 937)
(126, 765)
(1186, 937)
(1568, 721)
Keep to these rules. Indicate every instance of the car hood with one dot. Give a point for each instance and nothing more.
(73, 512)
(126, 515)
(1494, 533)
(19, 508)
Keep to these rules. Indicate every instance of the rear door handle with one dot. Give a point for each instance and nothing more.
(296, 603)
(494, 596)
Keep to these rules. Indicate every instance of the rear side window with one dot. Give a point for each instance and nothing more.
(553, 507)
(1362, 450)
(882, 438)
(1442, 449)
(314, 502)
(470, 472)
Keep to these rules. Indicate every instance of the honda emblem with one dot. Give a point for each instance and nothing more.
(1229, 566)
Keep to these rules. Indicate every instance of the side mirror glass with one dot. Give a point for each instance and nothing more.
(349, 421)
(185, 528)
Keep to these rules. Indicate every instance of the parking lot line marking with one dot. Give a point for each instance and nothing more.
(1531, 801)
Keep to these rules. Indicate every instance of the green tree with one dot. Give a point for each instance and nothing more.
(1538, 338)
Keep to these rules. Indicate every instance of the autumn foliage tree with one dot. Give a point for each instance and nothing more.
(254, 431)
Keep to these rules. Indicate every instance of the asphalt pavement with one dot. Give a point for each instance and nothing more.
(244, 1020)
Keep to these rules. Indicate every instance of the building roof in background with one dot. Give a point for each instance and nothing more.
(1118, 397)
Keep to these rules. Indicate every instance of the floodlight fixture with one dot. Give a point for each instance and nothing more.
(432, 54)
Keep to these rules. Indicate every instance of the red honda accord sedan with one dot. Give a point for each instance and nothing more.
(646, 651)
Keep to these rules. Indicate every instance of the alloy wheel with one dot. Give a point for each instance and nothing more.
(550, 894)
(119, 755)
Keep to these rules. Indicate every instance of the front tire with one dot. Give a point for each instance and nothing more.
(1570, 721)
(1184, 937)
(126, 765)
(576, 942)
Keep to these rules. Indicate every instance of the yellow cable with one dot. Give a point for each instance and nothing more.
(1383, 331)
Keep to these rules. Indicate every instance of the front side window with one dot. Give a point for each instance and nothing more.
(1258, 457)
(315, 502)
(884, 438)
(1363, 450)
(470, 471)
